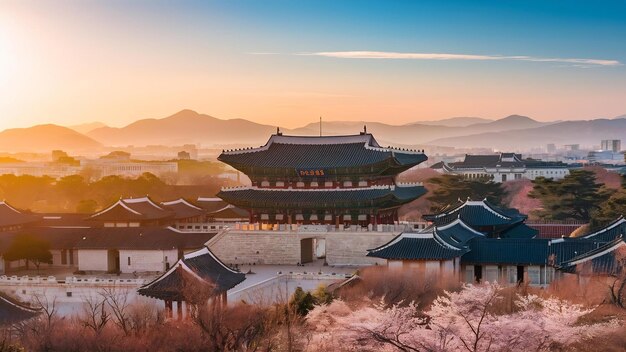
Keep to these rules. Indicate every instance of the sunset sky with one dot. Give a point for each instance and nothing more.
(288, 62)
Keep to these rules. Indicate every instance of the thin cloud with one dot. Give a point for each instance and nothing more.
(445, 56)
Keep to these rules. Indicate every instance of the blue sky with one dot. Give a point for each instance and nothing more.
(287, 62)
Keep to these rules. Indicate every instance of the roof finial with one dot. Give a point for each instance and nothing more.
(278, 133)
(365, 129)
(320, 126)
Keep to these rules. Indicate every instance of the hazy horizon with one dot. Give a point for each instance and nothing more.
(284, 63)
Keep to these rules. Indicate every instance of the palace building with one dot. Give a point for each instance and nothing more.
(477, 241)
(503, 167)
(332, 180)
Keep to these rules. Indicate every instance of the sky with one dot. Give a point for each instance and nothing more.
(286, 63)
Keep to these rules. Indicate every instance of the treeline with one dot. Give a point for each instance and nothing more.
(585, 195)
(75, 193)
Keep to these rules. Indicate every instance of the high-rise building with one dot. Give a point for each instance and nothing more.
(551, 148)
(614, 145)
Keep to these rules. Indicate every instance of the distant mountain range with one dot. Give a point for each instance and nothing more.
(87, 127)
(44, 138)
(513, 132)
(589, 132)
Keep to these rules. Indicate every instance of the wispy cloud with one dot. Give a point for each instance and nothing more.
(445, 56)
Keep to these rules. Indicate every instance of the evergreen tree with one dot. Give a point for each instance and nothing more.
(448, 189)
(612, 209)
(30, 248)
(577, 196)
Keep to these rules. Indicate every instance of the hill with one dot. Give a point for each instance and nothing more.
(185, 127)
(87, 127)
(588, 132)
(416, 134)
(454, 121)
(188, 126)
(44, 138)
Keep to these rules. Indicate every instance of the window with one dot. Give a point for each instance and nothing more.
(128, 261)
(503, 178)
(328, 184)
(518, 176)
(280, 184)
(299, 184)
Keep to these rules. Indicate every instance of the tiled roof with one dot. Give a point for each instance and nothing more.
(510, 251)
(602, 259)
(199, 268)
(477, 214)
(138, 238)
(520, 230)
(183, 209)
(257, 197)
(610, 232)
(12, 311)
(320, 152)
(10, 216)
(133, 209)
(456, 233)
(230, 212)
(416, 246)
(211, 204)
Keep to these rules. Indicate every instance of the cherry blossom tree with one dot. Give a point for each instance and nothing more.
(468, 320)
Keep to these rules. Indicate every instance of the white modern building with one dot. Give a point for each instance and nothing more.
(503, 167)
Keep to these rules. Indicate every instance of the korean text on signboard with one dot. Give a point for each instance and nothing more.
(311, 172)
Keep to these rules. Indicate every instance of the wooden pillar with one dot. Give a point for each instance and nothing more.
(168, 309)
(224, 299)
(337, 220)
(179, 310)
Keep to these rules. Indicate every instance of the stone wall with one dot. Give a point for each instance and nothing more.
(350, 248)
(259, 247)
(283, 247)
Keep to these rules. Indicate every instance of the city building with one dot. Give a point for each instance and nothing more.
(613, 145)
(477, 241)
(551, 148)
(605, 157)
(503, 167)
(338, 180)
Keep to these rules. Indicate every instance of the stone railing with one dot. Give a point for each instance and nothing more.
(408, 227)
(70, 280)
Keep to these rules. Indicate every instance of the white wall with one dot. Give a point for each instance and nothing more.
(93, 259)
(146, 260)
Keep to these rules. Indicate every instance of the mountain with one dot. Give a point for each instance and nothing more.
(589, 132)
(190, 127)
(416, 134)
(44, 138)
(454, 121)
(185, 127)
(87, 127)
